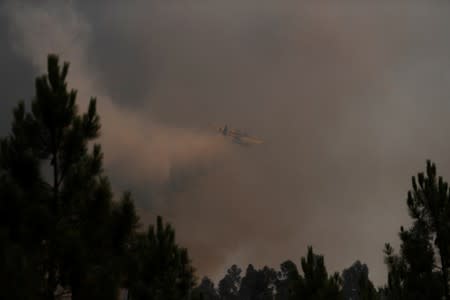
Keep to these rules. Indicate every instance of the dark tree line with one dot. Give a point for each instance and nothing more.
(63, 232)
(313, 282)
(418, 271)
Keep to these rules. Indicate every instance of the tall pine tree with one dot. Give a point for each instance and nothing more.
(60, 218)
(420, 271)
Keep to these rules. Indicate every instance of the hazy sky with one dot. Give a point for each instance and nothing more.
(351, 97)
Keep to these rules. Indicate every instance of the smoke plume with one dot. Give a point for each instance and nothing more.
(351, 98)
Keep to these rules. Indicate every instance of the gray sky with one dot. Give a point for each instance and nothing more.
(351, 97)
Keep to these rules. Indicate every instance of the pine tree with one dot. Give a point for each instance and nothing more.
(68, 232)
(161, 269)
(257, 284)
(414, 273)
(356, 283)
(287, 283)
(229, 286)
(315, 282)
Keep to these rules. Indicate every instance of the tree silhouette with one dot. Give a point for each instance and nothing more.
(356, 283)
(205, 290)
(414, 274)
(230, 284)
(257, 284)
(288, 281)
(315, 282)
(59, 215)
(161, 269)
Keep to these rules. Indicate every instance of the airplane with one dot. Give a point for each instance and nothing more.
(239, 137)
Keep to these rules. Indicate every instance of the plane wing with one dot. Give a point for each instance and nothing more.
(238, 136)
(251, 140)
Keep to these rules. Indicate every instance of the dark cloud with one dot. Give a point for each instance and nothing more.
(352, 97)
(16, 79)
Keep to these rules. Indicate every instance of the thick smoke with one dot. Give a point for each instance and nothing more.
(351, 97)
(145, 150)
